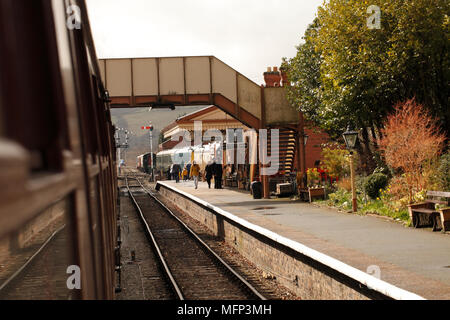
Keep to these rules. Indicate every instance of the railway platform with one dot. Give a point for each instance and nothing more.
(415, 260)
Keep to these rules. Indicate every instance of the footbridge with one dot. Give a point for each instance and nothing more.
(206, 80)
(179, 81)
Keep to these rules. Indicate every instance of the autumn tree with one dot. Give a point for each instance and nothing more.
(345, 72)
(411, 141)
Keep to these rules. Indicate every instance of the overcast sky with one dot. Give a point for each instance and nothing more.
(248, 35)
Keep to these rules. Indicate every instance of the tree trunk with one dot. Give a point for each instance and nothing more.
(367, 160)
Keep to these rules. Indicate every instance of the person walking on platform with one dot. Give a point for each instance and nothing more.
(218, 172)
(209, 173)
(195, 173)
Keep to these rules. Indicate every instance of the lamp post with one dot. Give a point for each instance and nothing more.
(350, 137)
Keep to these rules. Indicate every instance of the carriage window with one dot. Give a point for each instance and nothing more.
(1, 117)
(29, 79)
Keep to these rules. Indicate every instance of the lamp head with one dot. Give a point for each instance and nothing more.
(305, 138)
(350, 137)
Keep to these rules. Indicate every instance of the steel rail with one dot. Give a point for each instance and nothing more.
(205, 246)
(155, 245)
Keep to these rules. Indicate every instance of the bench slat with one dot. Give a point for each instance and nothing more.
(423, 210)
(436, 201)
(438, 194)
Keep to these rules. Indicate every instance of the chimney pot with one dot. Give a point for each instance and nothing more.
(275, 69)
(269, 69)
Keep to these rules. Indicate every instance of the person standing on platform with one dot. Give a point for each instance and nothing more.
(209, 173)
(218, 172)
(185, 174)
(176, 170)
(188, 168)
(195, 173)
(169, 173)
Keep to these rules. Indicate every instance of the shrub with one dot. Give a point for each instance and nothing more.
(382, 167)
(411, 140)
(375, 183)
(336, 161)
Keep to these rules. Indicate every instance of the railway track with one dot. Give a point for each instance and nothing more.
(188, 265)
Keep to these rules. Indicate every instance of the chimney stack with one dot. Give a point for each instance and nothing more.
(272, 77)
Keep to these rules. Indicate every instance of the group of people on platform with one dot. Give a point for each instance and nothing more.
(193, 171)
(215, 170)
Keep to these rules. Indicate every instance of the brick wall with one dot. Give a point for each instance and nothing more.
(313, 146)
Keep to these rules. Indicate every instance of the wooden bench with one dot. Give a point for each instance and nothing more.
(285, 189)
(231, 181)
(311, 193)
(425, 214)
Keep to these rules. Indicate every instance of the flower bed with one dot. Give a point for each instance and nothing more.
(383, 206)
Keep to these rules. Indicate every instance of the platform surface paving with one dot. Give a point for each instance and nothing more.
(416, 260)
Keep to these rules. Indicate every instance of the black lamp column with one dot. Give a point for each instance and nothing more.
(350, 137)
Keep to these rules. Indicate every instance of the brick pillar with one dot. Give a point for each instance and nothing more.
(264, 178)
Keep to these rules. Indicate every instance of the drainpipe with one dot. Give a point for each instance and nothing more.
(302, 150)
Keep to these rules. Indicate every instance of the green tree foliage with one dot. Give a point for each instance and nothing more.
(304, 72)
(443, 172)
(419, 53)
(347, 73)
